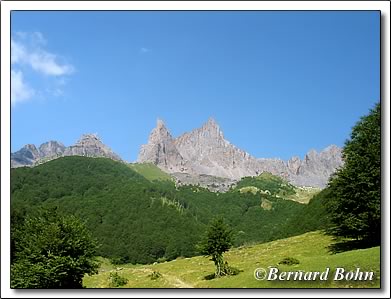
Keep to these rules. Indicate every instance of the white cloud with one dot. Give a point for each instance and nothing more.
(28, 50)
(38, 39)
(46, 63)
(145, 50)
(18, 53)
(38, 59)
(20, 91)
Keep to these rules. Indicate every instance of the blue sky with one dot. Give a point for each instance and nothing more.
(278, 83)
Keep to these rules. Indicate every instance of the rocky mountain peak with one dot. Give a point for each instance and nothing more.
(332, 150)
(51, 149)
(160, 124)
(89, 138)
(161, 150)
(160, 133)
(210, 129)
(30, 151)
(211, 124)
(204, 151)
(91, 145)
(26, 156)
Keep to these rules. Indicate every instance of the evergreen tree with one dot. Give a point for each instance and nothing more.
(354, 203)
(218, 239)
(51, 251)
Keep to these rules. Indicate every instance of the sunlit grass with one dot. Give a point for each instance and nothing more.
(311, 249)
(150, 171)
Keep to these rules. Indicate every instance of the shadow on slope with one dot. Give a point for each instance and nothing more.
(348, 245)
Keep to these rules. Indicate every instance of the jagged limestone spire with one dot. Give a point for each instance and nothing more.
(211, 122)
(160, 123)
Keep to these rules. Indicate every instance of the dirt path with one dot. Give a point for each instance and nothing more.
(178, 283)
(172, 280)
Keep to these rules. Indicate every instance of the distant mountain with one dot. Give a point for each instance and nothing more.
(205, 151)
(88, 145)
(162, 151)
(201, 156)
(51, 149)
(26, 156)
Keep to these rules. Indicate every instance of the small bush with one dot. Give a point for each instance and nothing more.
(162, 259)
(155, 275)
(233, 271)
(117, 280)
(289, 261)
(228, 271)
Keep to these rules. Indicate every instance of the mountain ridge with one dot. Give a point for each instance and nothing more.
(89, 145)
(205, 151)
(202, 152)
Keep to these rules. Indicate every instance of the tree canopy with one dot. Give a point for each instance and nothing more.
(355, 189)
(51, 251)
(218, 239)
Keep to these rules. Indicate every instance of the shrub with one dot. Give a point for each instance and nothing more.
(117, 280)
(155, 275)
(289, 261)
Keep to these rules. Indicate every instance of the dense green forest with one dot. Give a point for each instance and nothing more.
(140, 220)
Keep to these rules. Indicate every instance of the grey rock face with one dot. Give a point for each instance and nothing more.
(26, 156)
(209, 153)
(51, 149)
(316, 168)
(161, 151)
(205, 151)
(294, 164)
(88, 145)
(210, 182)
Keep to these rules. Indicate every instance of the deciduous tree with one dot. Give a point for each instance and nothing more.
(218, 239)
(354, 204)
(52, 251)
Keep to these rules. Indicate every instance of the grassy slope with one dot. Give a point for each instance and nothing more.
(311, 249)
(276, 186)
(303, 195)
(150, 171)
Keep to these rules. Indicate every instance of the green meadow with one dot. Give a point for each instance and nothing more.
(150, 171)
(314, 252)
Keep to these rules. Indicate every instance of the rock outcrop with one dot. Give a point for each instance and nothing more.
(209, 153)
(88, 145)
(51, 149)
(316, 168)
(26, 156)
(205, 151)
(161, 150)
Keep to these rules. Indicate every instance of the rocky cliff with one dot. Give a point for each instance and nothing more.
(51, 149)
(26, 156)
(88, 145)
(205, 151)
(162, 151)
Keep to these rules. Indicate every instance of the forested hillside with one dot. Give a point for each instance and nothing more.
(137, 220)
